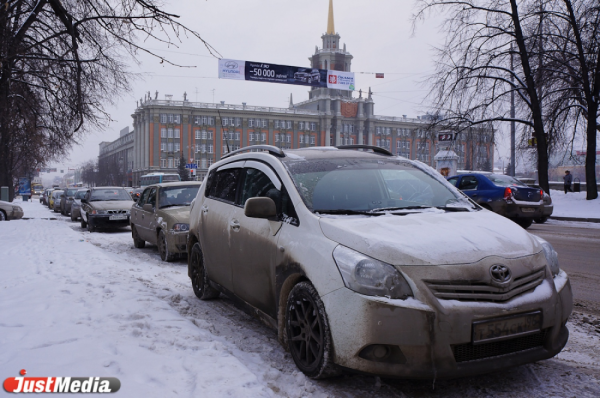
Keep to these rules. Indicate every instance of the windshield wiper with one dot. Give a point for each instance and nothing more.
(401, 208)
(347, 212)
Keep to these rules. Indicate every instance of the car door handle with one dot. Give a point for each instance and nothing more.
(235, 225)
(204, 209)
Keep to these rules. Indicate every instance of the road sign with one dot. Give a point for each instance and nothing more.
(445, 137)
(191, 166)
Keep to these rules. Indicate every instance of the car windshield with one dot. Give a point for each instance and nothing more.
(80, 194)
(177, 196)
(109, 194)
(70, 192)
(57, 194)
(505, 181)
(349, 185)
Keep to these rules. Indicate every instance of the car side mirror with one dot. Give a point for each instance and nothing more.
(260, 208)
(148, 207)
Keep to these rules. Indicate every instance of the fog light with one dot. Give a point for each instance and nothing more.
(383, 353)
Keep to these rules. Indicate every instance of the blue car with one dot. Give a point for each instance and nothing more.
(502, 194)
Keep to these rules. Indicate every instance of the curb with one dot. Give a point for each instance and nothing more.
(596, 220)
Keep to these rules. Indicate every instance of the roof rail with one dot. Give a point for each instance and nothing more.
(375, 149)
(273, 150)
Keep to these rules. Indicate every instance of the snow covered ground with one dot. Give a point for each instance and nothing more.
(79, 304)
(573, 204)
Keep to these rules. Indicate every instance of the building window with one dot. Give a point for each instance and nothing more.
(264, 123)
(300, 125)
(301, 138)
(351, 129)
(163, 163)
(312, 140)
(313, 126)
(289, 124)
(163, 117)
(289, 138)
(170, 163)
(176, 162)
(170, 146)
(176, 131)
(276, 124)
(170, 117)
(251, 136)
(197, 134)
(210, 148)
(163, 146)
(203, 163)
(210, 135)
(276, 137)
(263, 137)
(250, 122)
(170, 131)
(177, 147)
(163, 133)
(210, 162)
(351, 140)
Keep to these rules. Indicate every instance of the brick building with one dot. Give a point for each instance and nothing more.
(164, 129)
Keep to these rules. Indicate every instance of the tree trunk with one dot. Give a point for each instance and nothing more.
(590, 157)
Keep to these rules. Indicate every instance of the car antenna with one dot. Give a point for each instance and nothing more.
(227, 138)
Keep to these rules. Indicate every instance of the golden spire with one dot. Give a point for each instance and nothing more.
(330, 27)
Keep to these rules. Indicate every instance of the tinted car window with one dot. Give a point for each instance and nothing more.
(224, 185)
(80, 194)
(144, 197)
(468, 182)
(258, 184)
(152, 197)
(453, 181)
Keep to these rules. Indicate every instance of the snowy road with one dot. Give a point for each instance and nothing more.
(81, 304)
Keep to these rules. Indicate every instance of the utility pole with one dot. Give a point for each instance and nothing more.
(511, 172)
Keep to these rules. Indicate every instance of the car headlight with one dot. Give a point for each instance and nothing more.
(17, 208)
(368, 276)
(551, 256)
(181, 227)
(99, 212)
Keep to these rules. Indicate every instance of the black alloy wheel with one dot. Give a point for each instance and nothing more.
(308, 335)
(200, 284)
(137, 242)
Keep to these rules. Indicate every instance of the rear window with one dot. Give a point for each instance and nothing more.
(109, 194)
(505, 181)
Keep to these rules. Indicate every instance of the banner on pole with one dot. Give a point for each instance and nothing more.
(285, 74)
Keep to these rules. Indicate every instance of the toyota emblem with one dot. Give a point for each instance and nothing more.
(500, 273)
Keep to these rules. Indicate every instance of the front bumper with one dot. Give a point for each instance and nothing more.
(15, 214)
(104, 221)
(429, 338)
(177, 241)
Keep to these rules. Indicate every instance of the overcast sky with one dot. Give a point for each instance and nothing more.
(378, 33)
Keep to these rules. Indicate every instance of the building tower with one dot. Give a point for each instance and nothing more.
(331, 57)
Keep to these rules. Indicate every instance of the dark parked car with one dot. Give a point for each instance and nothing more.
(76, 203)
(67, 200)
(105, 207)
(502, 194)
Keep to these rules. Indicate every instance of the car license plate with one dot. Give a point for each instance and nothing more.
(527, 209)
(118, 217)
(506, 328)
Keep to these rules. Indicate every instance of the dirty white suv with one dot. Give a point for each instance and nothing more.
(367, 261)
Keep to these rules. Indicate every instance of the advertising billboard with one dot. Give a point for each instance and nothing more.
(285, 74)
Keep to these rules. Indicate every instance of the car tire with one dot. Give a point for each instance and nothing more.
(73, 218)
(163, 247)
(541, 220)
(137, 242)
(308, 334)
(83, 223)
(202, 288)
(90, 226)
(2, 215)
(524, 222)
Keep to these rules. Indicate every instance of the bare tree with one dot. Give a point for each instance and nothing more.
(65, 59)
(572, 59)
(474, 80)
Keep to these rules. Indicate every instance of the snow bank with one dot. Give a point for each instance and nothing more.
(574, 204)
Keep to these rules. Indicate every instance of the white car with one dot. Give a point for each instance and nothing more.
(375, 263)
